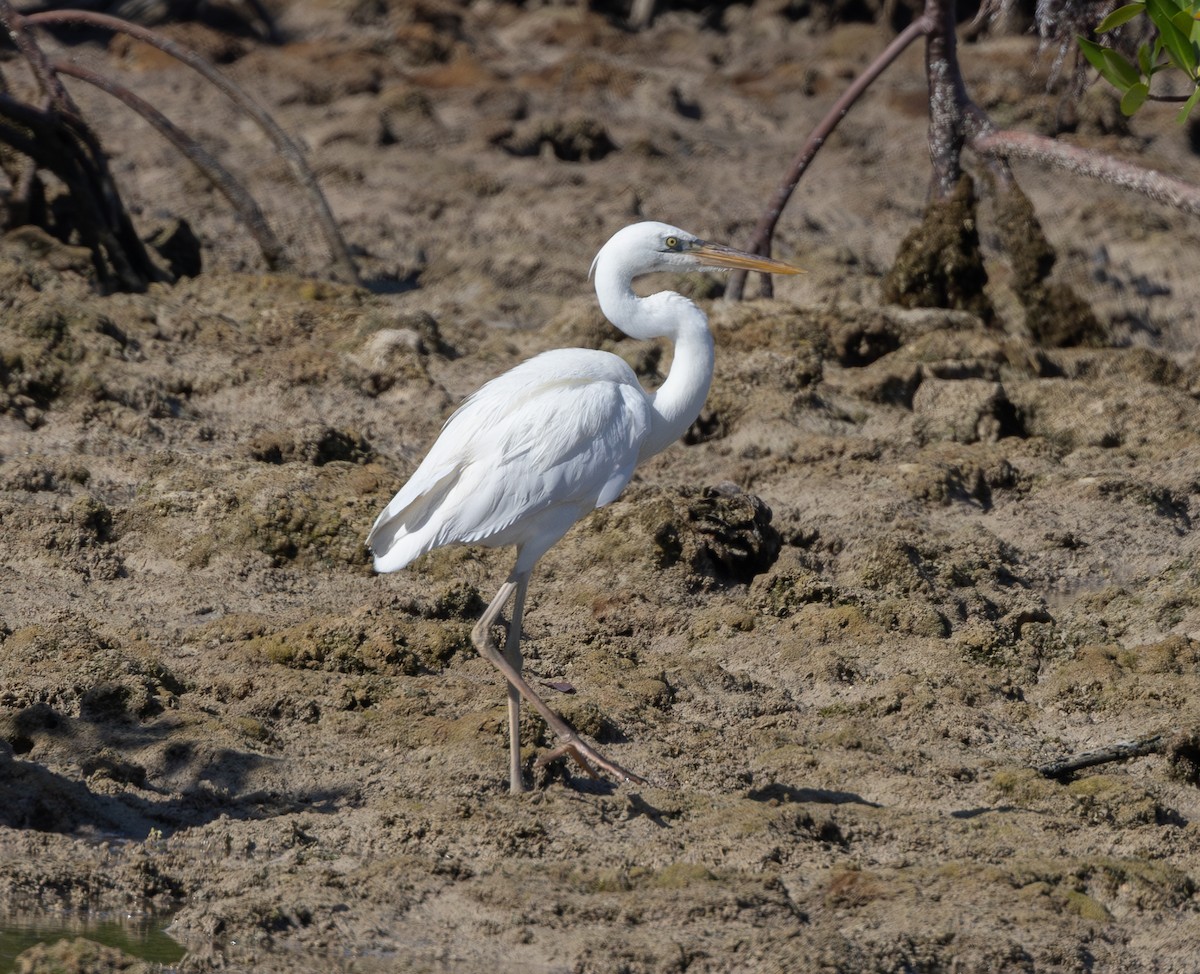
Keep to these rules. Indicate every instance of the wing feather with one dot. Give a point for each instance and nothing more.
(522, 459)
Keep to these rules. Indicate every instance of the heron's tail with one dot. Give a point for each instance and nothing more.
(410, 526)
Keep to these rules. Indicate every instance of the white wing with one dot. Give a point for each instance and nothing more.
(522, 459)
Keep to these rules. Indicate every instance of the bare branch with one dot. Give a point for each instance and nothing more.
(17, 28)
(1122, 751)
(243, 203)
(1005, 143)
(760, 240)
(287, 148)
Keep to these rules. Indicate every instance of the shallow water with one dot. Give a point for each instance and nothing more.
(139, 936)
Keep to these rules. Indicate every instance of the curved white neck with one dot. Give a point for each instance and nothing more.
(678, 401)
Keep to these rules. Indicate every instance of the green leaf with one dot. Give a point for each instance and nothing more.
(1120, 16)
(1122, 69)
(1095, 55)
(1145, 60)
(1115, 69)
(1134, 98)
(1188, 106)
(1185, 24)
(1178, 45)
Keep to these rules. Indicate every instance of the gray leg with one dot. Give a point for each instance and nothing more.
(573, 745)
(512, 652)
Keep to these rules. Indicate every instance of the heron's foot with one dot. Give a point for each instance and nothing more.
(585, 757)
(566, 751)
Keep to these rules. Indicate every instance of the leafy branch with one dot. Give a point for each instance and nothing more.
(1175, 47)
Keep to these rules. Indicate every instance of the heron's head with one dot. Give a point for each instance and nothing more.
(643, 248)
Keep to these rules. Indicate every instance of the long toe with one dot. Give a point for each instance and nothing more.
(563, 751)
(585, 757)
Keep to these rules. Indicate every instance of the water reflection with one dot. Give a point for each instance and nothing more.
(139, 936)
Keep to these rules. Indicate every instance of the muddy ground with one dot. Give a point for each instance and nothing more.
(903, 559)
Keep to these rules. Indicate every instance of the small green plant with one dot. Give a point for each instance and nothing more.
(1173, 45)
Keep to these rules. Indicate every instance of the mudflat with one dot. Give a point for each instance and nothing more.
(904, 558)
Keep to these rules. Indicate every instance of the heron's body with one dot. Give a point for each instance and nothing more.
(539, 447)
(526, 481)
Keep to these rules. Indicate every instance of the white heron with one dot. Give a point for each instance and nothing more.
(539, 447)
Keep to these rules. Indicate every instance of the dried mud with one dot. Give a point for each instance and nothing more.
(902, 559)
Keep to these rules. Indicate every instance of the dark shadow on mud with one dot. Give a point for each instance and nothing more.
(580, 784)
(385, 284)
(639, 807)
(822, 796)
(34, 797)
(968, 813)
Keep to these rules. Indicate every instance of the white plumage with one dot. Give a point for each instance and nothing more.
(537, 448)
(500, 474)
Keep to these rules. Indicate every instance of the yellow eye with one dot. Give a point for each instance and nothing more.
(672, 243)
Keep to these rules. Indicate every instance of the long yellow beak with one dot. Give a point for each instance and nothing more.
(718, 255)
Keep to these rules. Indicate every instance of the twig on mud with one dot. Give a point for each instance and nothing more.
(287, 148)
(239, 198)
(1121, 751)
